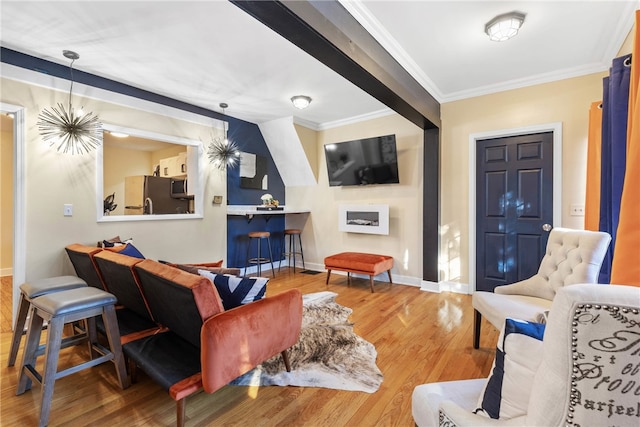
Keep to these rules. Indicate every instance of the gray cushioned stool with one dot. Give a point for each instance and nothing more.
(60, 308)
(33, 289)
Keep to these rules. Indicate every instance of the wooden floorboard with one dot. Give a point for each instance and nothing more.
(6, 283)
(420, 337)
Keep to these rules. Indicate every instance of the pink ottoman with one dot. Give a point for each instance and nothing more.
(358, 262)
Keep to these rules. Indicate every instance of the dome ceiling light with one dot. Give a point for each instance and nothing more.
(503, 27)
(301, 101)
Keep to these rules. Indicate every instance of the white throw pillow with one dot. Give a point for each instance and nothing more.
(518, 355)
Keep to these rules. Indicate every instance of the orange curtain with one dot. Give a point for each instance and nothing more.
(594, 160)
(626, 259)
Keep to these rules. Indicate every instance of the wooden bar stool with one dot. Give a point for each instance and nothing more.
(33, 289)
(57, 309)
(292, 233)
(259, 259)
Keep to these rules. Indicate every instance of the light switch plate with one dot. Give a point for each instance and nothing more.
(68, 210)
(576, 210)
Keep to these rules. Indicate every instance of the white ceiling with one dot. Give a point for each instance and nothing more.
(207, 52)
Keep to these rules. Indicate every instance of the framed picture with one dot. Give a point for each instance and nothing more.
(253, 171)
(369, 219)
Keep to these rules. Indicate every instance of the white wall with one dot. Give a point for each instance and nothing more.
(6, 198)
(320, 229)
(565, 101)
(53, 179)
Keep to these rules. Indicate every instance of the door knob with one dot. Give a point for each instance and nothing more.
(547, 227)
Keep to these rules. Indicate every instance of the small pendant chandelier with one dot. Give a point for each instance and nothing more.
(222, 152)
(70, 131)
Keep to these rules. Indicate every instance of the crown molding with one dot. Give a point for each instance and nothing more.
(362, 14)
(356, 119)
(526, 82)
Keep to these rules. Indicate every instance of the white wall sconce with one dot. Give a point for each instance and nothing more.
(505, 26)
(301, 101)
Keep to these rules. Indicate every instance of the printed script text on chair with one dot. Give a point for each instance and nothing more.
(586, 370)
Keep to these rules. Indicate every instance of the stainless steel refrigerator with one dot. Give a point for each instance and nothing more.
(151, 195)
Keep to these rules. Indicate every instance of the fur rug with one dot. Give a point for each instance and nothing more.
(328, 354)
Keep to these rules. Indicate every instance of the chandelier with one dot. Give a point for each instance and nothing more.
(222, 152)
(66, 129)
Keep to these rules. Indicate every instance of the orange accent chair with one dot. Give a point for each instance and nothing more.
(206, 347)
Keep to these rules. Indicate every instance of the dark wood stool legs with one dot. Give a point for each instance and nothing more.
(292, 233)
(259, 259)
(58, 309)
(34, 289)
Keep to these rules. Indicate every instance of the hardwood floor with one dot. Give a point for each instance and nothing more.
(420, 337)
(6, 282)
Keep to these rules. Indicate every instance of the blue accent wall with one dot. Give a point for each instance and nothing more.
(250, 140)
(247, 135)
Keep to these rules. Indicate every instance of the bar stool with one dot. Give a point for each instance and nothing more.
(57, 309)
(259, 260)
(292, 233)
(33, 289)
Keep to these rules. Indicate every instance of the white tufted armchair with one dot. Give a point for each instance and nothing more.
(587, 369)
(572, 256)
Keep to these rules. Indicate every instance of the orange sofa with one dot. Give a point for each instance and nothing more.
(197, 344)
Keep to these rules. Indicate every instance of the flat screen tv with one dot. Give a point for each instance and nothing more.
(362, 161)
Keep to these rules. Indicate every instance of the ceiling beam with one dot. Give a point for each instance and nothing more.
(328, 32)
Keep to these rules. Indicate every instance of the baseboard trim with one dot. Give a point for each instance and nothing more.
(6, 272)
(382, 277)
(424, 285)
(445, 286)
(455, 287)
(428, 286)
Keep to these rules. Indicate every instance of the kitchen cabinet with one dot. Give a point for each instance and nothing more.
(175, 166)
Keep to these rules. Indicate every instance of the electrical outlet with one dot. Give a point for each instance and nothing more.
(576, 210)
(68, 210)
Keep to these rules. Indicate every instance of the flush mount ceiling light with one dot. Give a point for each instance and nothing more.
(67, 129)
(301, 101)
(222, 152)
(505, 26)
(119, 134)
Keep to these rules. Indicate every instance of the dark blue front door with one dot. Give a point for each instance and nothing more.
(514, 200)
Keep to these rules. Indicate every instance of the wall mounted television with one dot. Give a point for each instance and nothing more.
(362, 161)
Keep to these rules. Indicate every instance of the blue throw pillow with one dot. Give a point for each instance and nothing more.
(131, 251)
(518, 355)
(235, 291)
